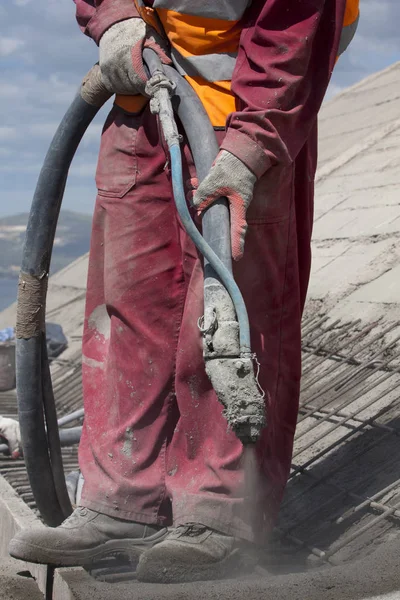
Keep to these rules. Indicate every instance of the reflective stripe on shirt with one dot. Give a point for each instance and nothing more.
(348, 32)
(226, 10)
(211, 67)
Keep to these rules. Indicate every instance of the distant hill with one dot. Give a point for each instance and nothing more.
(71, 241)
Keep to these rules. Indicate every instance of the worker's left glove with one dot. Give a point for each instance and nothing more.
(120, 57)
(231, 179)
(9, 430)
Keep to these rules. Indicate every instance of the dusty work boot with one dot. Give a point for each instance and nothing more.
(85, 536)
(193, 552)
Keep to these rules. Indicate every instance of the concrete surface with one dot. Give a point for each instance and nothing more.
(15, 515)
(357, 207)
(358, 111)
(375, 577)
(16, 583)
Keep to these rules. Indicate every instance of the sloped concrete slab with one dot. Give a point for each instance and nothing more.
(74, 275)
(383, 290)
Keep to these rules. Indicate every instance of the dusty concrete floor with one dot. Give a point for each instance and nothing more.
(376, 576)
(14, 586)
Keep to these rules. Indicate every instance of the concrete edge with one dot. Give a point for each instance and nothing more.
(356, 86)
(16, 515)
(68, 579)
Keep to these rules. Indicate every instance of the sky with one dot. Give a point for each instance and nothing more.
(43, 57)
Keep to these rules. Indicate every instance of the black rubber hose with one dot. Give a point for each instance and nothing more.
(42, 450)
(33, 430)
(53, 436)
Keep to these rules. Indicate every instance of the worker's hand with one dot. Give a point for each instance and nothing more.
(120, 60)
(9, 430)
(230, 178)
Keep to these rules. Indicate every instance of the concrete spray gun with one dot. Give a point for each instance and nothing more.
(229, 360)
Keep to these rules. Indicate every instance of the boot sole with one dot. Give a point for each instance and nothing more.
(80, 558)
(236, 564)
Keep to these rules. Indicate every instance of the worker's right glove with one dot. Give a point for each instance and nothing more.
(9, 430)
(120, 60)
(230, 178)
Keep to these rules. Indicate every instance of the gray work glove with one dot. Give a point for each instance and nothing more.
(9, 430)
(230, 178)
(120, 57)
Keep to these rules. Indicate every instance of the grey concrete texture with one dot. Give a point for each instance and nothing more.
(377, 575)
(357, 208)
(358, 111)
(16, 583)
(15, 515)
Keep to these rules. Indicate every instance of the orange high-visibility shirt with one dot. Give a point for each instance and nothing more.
(204, 37)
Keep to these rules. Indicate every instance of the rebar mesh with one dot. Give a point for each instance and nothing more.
(343, 495)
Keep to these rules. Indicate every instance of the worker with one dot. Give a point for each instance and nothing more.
(164, 476)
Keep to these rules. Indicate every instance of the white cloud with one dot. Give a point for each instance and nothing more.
(8, 91)
(20, 167)
(41, 130)
(84, 169)
(9, 45)
(8, 133)
(26, 90)
(93, 134)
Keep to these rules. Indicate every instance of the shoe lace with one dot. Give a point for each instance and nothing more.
(192, 529)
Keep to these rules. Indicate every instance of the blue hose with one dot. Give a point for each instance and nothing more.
(192, 231)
